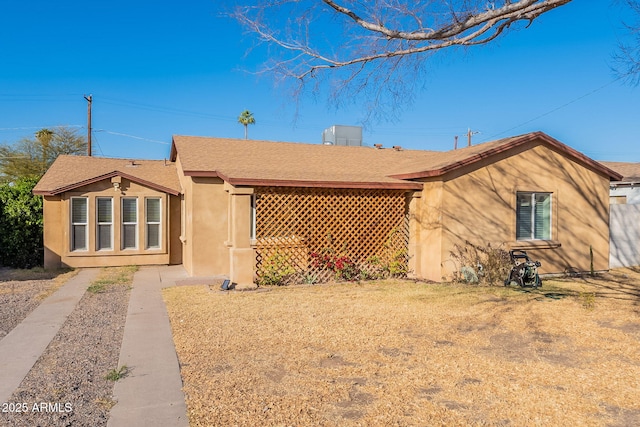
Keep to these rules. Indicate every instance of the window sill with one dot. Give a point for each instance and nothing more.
(535, 244)
(122, 252)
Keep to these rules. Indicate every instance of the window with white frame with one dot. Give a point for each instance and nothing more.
(104, 219)
(129, 237)
(533, 216)
(153, 216)
(79, 223)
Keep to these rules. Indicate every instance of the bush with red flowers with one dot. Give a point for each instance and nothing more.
(342, 266)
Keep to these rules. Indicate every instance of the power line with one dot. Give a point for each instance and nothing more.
(40, 127)
(132, 136)
(555, 109)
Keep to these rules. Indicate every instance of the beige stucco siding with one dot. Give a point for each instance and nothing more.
(53, 231)
(425, 232)
(206, 211)
(478, 204)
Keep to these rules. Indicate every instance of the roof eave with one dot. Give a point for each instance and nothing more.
(99, 178)
(611, 174)
(326, 184)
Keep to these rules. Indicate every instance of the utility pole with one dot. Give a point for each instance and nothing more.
(469, 134)
(89, 101)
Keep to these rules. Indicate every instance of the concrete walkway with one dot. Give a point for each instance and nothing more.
(21, 348)
(151, 394)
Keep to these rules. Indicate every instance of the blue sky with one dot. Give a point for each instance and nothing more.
(159, 68)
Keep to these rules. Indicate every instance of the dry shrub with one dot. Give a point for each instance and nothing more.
(481, 264)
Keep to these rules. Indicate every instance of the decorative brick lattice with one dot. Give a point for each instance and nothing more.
(293, 223)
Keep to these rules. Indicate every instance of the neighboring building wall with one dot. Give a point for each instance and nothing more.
(630, 194)
(478, 205)
(625, 235)
(58, 234)
(625, 225)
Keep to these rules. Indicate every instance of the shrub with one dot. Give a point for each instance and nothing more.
(276, 270)
(481, 264)
(342, 266)
(21, 243)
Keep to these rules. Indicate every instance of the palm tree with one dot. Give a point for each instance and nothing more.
(246, 119)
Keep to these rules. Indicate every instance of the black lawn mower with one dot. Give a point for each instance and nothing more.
(524, 271)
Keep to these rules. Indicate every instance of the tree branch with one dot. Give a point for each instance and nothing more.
(307, 33)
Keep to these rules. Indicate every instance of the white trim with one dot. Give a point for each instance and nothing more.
(123, 224)
(147, 223)
(74, 224)
(532, 208)
(98, 224)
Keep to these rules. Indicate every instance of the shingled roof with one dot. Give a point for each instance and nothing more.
(250, 162)
(70, 172)
(630, 171)
(255, 163)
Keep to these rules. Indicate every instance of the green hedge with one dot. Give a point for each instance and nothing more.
(21, 244)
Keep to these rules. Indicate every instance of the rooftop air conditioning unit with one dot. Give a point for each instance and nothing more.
(342, 135)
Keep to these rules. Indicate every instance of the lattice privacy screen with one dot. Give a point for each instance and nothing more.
(293, 223)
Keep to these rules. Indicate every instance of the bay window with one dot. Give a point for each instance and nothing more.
(105, 225)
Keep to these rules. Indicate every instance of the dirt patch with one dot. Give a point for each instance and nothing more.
(404, 353)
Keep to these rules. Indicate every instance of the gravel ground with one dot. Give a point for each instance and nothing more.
(18, 299)
(21, 291)
(67, 385)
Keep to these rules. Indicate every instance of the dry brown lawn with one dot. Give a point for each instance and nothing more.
(400, 353)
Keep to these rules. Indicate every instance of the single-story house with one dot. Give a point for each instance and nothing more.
(233, 207)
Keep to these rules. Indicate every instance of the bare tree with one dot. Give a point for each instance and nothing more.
(627, 58)
(383, 44)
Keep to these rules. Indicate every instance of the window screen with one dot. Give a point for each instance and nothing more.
(153, 215)
(129, 223)
(105, 223)
(533, 216)
(79, 223)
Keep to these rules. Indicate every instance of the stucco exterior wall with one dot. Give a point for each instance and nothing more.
(206, 226)
(53, 231)
(425, 232)
(478, 204)
(57, 234)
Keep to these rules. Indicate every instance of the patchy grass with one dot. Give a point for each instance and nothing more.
(404, 353)
(110, 276)
(117, 374)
